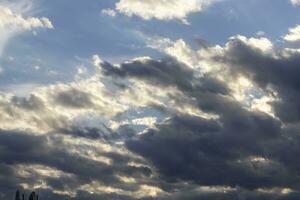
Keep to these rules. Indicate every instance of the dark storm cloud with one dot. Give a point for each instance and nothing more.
(166, 72)
(216, 152)
(205, 91)
(238, 194)
(8, 178)
(20, 148)
(244, 149)
(280, 72)
(219, 152)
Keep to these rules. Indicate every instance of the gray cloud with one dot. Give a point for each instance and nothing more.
(167, 72)
(217, 152)
(206, 143)
(74, 98)
(244, 148)
(276, 72)
(23, 152)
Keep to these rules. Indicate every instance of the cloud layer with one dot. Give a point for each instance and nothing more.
(204, 132)
(200, 122)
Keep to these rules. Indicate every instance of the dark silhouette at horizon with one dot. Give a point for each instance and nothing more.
(32, 196)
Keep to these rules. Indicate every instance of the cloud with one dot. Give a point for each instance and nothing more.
(111, 92)
(161, 9)
(165, 72)
(295, 2)
(32, 162)
(109, 12)
(74, 98)
(56, 133)
(57, 106)
(293, 35)
(9, 20)
(273, 72)
(228, 193)
(215, 122)
(203, 151)
(240, 140)
(12, 20)
(177, 49)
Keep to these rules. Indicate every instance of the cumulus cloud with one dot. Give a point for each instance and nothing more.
(9, 20)
(199, 150)
(54, 163)
(212, 122)
(270, 73)
(293, 35)
(192, 145)
(50, 123)
(12, 20)
(161, 9)
(208, 123)
(295, 2)
(57, 106)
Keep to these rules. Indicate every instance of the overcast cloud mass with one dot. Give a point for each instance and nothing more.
(152, 99)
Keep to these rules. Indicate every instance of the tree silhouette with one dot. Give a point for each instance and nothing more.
(32, 196)
(18, 197)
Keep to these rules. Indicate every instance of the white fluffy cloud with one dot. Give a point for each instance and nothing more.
(293, 35)
(162, 9)
(177, 49)
(295, 2)
(12, 21)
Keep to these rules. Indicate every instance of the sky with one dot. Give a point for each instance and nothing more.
(150, 99)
